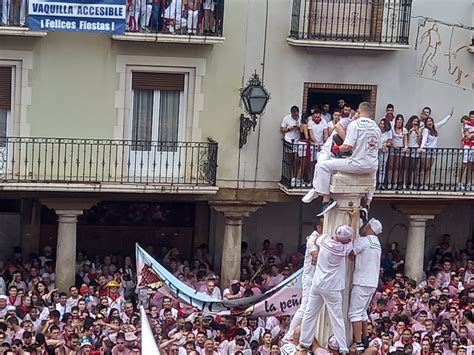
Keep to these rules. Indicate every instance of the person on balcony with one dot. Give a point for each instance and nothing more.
(336, 116)
(156, 19)
(193, 7)
(14, 12)
(426, 113)
(428, 146)
(363, 140)
(468, 152)
(209, 7)
(412, 156)
(325, 114)
(290, 128)
(386, 141)
(173, 17)
(389, 113)
(396, 159)
(318, 133)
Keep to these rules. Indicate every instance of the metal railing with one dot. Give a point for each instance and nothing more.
(401, 171)
(203, 18)
(71, 160)
(380, 21)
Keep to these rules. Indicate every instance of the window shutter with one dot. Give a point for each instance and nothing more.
(157, 81)
(6, 88)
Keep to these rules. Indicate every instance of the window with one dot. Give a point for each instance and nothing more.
(156, 112)
(5, 100)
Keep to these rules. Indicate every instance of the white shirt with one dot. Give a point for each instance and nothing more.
(288, 122)
(363, 135)
(330, 271)
(327, 117)
(397, 140)
(385, 137)
(288, 349)
(318, 130)
(343, 122)
(308, 267)
(413, 140)
(367, 263)
(427, 140)
(439, 124)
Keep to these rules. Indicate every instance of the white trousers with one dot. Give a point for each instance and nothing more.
(8, 11)
(360, 301)
(298, 316)
(323, 156)
(193, 21)
(143, 12)
(326, 168)
(333, 302)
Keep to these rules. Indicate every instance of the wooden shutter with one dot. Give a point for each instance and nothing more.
(6, 88)
(157, 81)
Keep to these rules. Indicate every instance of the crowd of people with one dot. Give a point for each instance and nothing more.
(408, 151)
(99, 314)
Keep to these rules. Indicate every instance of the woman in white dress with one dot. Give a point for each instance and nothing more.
(428, 146)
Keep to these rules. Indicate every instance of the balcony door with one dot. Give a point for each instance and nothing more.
(5, 113)
(157, 130)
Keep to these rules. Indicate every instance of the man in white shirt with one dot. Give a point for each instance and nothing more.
(363, 139)
(318, 129)
(426, 112)
(290, 125)
(211, 290)
(309, 267)
(325, 108)
(368, 251)
(326, 288)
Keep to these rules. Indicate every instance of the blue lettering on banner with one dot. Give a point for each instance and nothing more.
(101, 16)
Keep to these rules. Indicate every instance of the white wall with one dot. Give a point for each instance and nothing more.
(287, 68)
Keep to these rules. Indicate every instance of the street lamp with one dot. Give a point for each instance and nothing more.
(255, 98)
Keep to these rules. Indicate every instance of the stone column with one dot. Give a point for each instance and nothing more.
(66, 248)
(347, 190)
(415, 252)
(234, 213)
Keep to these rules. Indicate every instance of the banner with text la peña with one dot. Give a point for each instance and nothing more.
(100, 16)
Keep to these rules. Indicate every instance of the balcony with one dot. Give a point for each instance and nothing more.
(93, 165)
(441, 172)
(351, 24)
(150, 22)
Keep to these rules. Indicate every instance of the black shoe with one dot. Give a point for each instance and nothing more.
(326, 206)
(364, 214)
(365, 341)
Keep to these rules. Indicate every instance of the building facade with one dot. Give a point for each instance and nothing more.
(145, 125)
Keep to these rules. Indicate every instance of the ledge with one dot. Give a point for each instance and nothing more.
(20, 31)
(346, 44)
(109, 187)
(168, 38)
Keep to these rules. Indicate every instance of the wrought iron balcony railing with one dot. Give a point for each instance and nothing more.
(379, 21)
(177, 17)
(71, 160)
(401, 171)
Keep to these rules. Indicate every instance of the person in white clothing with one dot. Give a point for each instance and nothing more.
(326, 288)
(396, 159)
(367, 251)
(386, 143)
(318, 129)
(363, 139)
(426, 113)
(309, 267)
(429, 143)
(413, 141)
(290, 127)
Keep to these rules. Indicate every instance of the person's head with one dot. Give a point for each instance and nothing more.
(384, 125)
(406, 335)
(389, 109)
(425, 113)
(343, 234)
(399, 121)
(365, 109)
(267, 338)
(429, 325)
(373, 227)
(62, 298)
(346, 110)
(13, 291)
(433, 305)
(426, 345)
(413, 122)
(120, 341)
(74, 291)
(295, 112)
(336, 116)
(341, 103)
(430, 125)
(446, 265)
(316, 116)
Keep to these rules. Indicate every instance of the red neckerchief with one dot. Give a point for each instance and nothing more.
(112, 296)
(12, 302)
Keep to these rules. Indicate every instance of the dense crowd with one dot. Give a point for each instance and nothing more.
(99, 314)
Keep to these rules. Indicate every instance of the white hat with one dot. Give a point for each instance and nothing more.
(344, 232)
(332, 343)
(376, 226)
